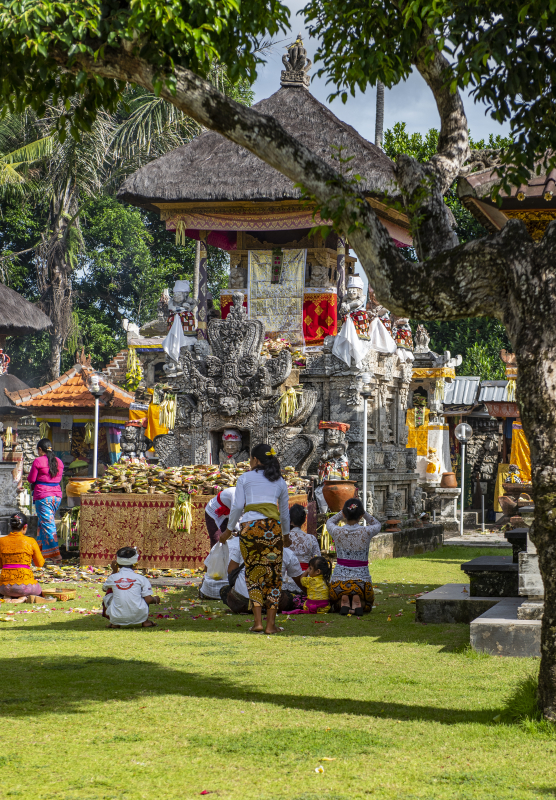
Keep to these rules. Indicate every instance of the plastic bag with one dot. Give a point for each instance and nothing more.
(217, 562)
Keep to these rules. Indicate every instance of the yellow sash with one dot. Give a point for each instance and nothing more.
(266, 509)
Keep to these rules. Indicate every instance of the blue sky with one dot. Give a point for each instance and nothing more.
(410, 102)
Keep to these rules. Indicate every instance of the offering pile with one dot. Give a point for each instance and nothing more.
(199, 479)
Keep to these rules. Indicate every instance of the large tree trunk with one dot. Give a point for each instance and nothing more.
(63, 208)
(530, 315)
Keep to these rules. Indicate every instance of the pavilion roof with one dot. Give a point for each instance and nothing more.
(18, 316)
(212, 168)
(70, 391)
(537, 195)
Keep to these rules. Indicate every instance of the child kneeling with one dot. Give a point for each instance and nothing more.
(316, 581)
(128, 594)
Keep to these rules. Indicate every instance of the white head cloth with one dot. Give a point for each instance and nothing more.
(231, 435)
(127, 562)
(182, 286)
(354, 282)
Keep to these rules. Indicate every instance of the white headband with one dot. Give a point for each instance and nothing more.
(127, 562)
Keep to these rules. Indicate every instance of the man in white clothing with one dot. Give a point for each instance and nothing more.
(128, 594)
(217, 511)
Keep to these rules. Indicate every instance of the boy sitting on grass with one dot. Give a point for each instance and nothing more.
(128, 594)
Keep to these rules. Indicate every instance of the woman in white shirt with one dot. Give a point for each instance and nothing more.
(261, 500)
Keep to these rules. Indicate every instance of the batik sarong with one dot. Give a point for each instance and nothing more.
(46, 531)
(261, 549)
(362, 589)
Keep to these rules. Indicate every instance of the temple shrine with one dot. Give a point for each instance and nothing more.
(291, 290)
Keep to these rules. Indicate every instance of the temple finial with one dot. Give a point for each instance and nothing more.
(297, 65)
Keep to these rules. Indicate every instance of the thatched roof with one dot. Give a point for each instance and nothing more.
(212, 168)
(18, 316)
(10, 383)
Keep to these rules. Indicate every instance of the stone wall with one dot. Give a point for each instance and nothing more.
(406, 542)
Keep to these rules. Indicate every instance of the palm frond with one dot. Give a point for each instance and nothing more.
(28, 153)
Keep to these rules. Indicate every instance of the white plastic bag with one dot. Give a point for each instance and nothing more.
(217, 562)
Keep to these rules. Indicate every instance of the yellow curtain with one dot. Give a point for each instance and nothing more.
(521, 455)
(418, 437)
(154, 428)
(503, 472)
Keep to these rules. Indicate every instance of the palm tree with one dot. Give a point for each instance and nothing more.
(379, 122)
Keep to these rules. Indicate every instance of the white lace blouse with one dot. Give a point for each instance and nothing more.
(352, 544)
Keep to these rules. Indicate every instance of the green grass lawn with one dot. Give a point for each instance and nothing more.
(389, 709)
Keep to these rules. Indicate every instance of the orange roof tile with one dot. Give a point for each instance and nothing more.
(70, 391)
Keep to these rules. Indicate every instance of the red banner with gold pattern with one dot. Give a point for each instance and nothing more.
(320, 315)
(226, 302)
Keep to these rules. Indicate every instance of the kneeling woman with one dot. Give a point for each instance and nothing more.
(17, 551)
(261, 498)
(351, 586)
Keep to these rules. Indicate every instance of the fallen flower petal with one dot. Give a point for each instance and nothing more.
(319, 769)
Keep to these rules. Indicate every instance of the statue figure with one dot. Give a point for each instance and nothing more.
(417, 503)
(133, 444)
(393, 505)
(514, 474)
(433, 465)
(296, 59)
(404, 340)
(422, 339)
(334, 464)
(231, 452)
(353, 305)
(411, 459)
(183, 306)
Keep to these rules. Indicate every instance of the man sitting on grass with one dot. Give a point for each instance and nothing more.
(128, 594)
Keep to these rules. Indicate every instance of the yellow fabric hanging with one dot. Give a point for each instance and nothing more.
(521, 455)
(418, 437)
(154, 428)
(503, 472)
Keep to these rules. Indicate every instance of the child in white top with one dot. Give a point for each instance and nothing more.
(128, 594)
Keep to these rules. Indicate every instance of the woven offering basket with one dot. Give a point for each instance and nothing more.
(59, 594)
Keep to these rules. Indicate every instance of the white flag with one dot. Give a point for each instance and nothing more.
(380, 338)
(175, 340)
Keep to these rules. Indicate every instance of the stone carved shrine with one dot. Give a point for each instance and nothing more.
(287, 281)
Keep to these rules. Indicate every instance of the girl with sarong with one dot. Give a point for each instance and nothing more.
(46, 476)
(351, 586)
(261, 500)
(17, 552)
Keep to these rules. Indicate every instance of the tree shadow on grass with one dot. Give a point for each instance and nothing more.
(68, 685)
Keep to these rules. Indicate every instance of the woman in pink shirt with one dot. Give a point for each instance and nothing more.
(46, 475)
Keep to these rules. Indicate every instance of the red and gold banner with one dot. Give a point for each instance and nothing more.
(226, 302)
(320, 315)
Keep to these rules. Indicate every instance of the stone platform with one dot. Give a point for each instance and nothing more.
(406, 542)
(452, 603)
(477, 539)
(500, 633)
(492, 576)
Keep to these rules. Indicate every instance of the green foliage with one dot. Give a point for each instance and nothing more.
(36, 36)
(521, 709)
(479, 340)
(503, 52)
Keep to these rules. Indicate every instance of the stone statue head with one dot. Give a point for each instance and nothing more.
(231, 441)
(229, 405)
(333, 437)
(354, 288)
(180, 293)
(129, 434)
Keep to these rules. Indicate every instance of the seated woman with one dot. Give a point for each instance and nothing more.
(128, 594)
(17, 551)
(236, 595)
(351, 586)
(304, 545)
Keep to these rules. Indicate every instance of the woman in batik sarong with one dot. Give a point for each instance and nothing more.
(261, 500)
(351, 586)
(46, 477)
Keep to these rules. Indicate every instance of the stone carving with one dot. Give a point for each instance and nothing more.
(133, 442)
(297, 451)
(485, 158)
(334, 464)
(394, 505)
(370, 501)
(390, 459)
(421, 339)
(8, 488)
(411, 459)
(231, 452)
(296, 64)
(351, 393)
(417, 502)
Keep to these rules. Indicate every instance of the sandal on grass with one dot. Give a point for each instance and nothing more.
(113, 627)
(148, 624)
